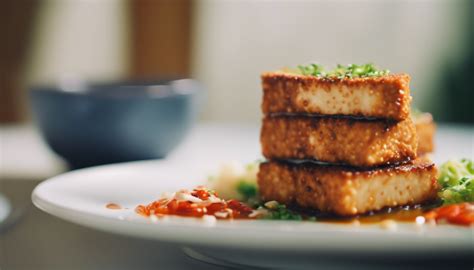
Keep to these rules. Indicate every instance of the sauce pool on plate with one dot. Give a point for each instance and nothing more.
(113, 206)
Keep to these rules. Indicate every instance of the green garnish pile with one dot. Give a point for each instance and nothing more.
(457, 181)
(247, 190)
(249, 193)
(341, 71)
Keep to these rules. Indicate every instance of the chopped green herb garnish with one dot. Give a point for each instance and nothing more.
(247, 190)
(457, 181)
(341, 71)
(277, 211)
(312, 69)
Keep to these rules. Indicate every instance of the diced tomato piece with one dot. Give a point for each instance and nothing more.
(239, 206)
(448, 211)
(172, 206)
(201, 194)
(461, 214)
(215, 207)
(462, 219)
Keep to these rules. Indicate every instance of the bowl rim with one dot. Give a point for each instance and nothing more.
(87, 88)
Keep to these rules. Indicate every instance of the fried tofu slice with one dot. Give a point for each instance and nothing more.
(425, 129)
(347, 191)
(385, 97)
(354, 142)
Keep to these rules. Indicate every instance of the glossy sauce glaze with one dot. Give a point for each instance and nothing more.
(457, 214)
(401, 214)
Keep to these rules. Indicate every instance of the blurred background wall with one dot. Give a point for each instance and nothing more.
(227, 44)
(88, 39)
(236, 40)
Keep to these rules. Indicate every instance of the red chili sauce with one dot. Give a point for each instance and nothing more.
(205, 202)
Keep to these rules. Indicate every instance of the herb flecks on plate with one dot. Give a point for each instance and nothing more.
(279, 211)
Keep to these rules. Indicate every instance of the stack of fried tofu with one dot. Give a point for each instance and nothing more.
(346, 146)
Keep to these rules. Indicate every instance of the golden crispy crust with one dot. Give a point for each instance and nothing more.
(345, 190)
(385, 97)
(359, 142)
(425, 129)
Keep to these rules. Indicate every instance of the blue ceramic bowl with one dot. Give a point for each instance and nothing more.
(107, 123)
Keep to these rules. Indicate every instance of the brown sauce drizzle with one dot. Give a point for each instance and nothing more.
(113, 206)
(400, 214)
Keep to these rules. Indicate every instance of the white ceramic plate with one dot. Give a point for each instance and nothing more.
(81, 196)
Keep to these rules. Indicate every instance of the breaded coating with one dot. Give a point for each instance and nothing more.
(347, 141)
(347, 191)
(425, 129)
(385, 97)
